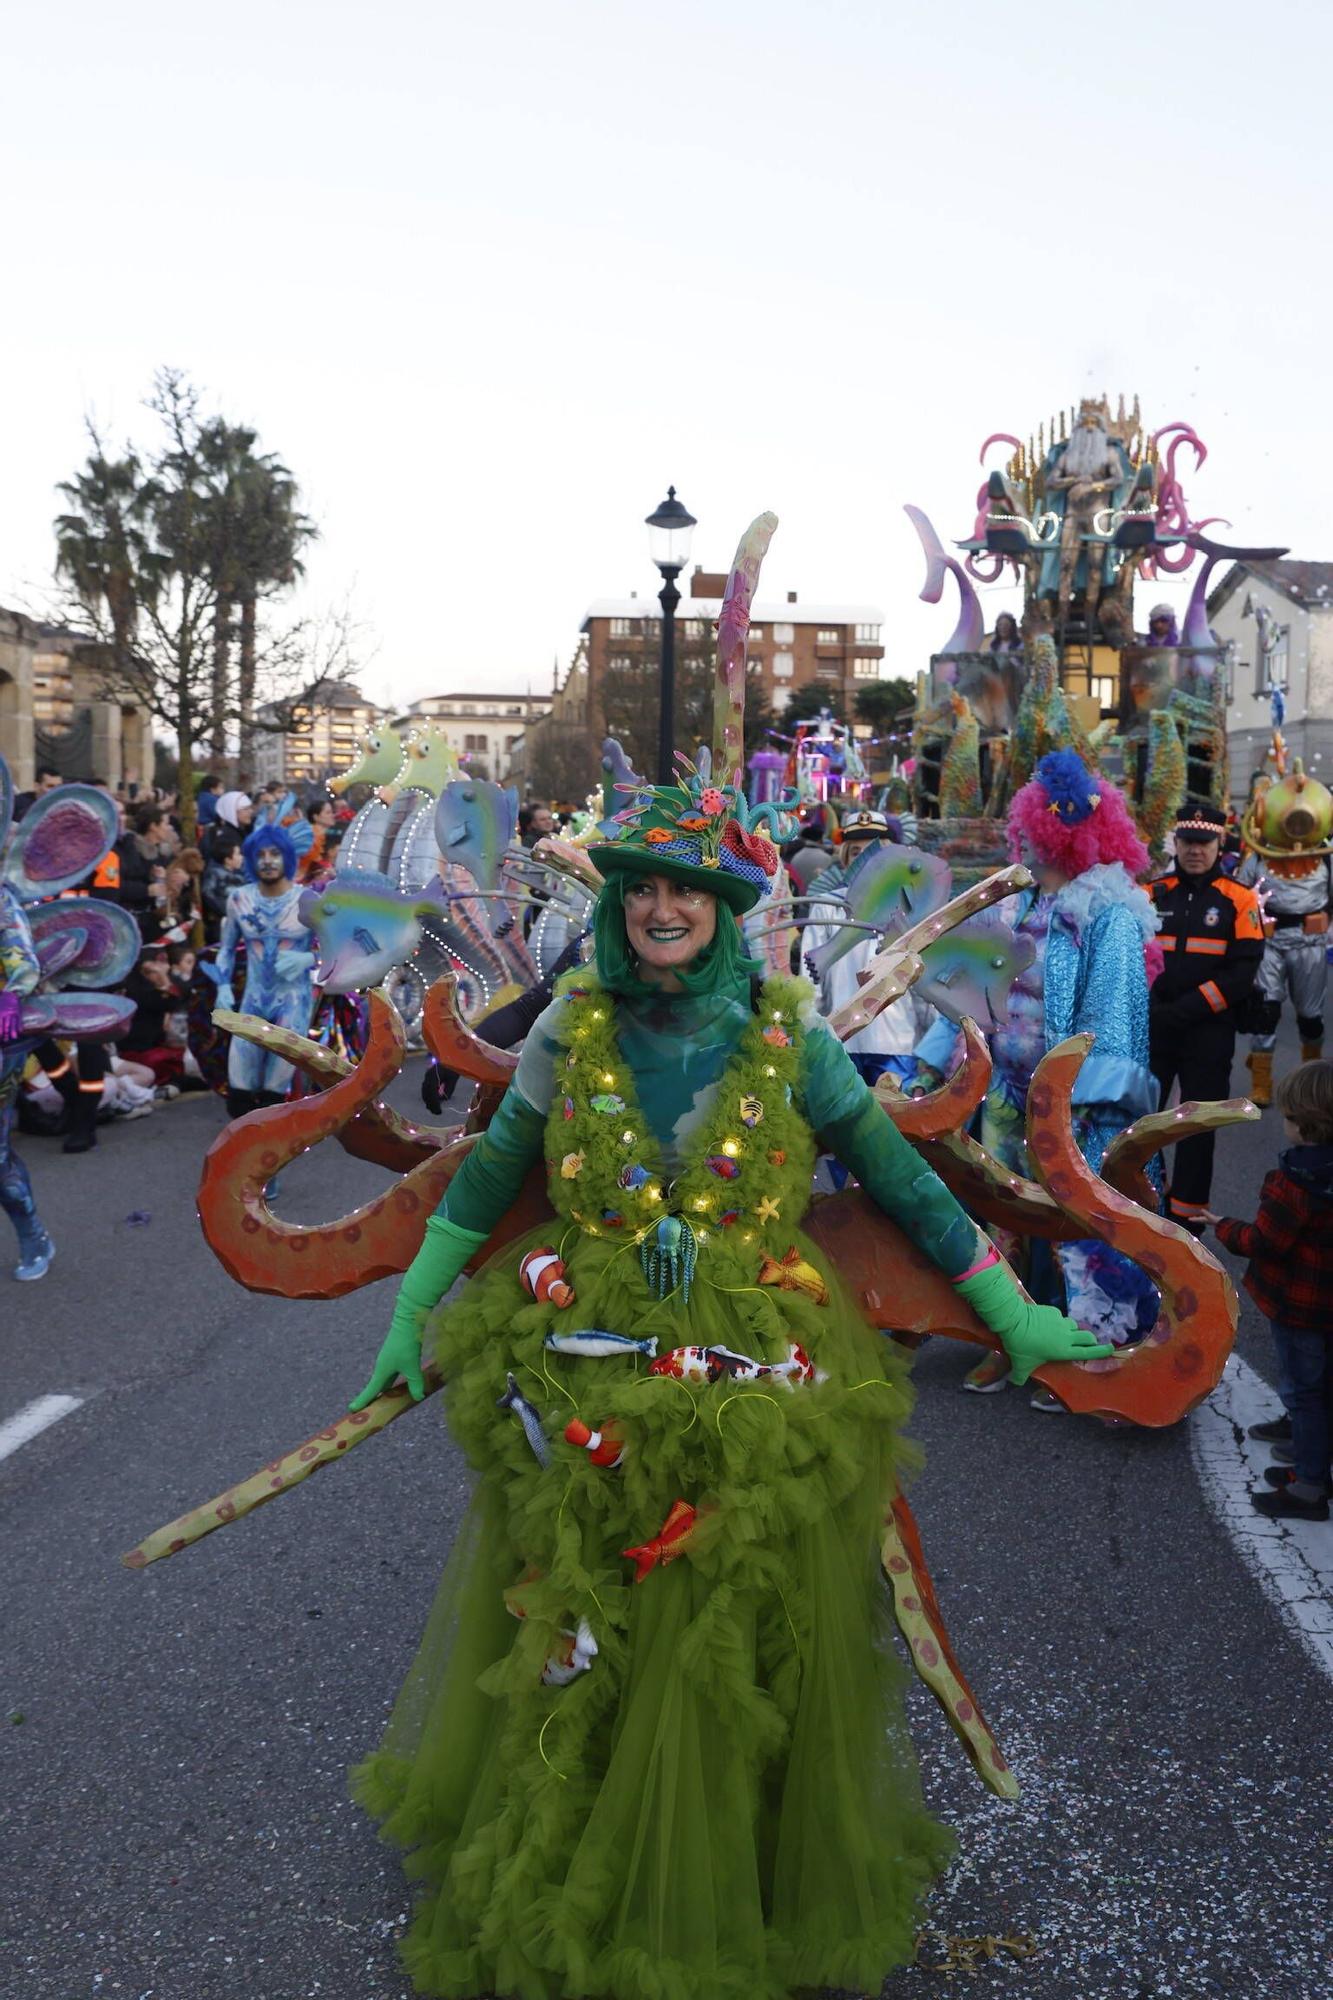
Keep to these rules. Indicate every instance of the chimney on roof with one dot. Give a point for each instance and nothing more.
(791, 597)
(707, 582)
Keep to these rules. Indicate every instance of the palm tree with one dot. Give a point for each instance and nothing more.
(227, 451)
(104, 544)
(271, 534)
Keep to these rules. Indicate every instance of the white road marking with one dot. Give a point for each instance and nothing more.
(1292, 1560)
(33, 1419)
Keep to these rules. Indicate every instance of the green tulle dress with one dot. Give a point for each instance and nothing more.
(724, 1802)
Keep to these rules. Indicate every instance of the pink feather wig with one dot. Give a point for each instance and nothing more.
(1054, 815)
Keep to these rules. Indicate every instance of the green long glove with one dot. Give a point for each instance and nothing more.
(443, 1253)
(1031, 1334)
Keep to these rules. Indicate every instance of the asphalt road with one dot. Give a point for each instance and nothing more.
(173, 1815)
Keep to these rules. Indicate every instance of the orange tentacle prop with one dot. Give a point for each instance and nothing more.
(268, 1255)
(453, 1043)
(1129, 1153)
(1181, 1361)
(379, 1134)
(921, 1622)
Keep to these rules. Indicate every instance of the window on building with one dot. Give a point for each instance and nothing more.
(785, 634)
(829, 635)
(756, 632)
(620, 628)
(467, 708)
(1102, 689)
(865, 670)
(869, 634)
(828, 670)
(620, 660)
(694, 628)
(781, 700)
(784, 665)
(475, 742)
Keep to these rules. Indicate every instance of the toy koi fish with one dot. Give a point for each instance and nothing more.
(514, 1399)
(794, 1274)
(605, 1447)
(543, 1273)
(668, 1543)
(798, 1367)
(571, 1659)
(596, 1345)
(707, 1364)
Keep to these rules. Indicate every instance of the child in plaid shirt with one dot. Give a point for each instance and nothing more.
(1290, 1279)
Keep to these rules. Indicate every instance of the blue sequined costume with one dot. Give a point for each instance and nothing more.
(1088, 975)
(279, 968)
(19, 973)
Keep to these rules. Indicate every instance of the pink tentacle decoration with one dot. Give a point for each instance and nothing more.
(999, 437)
(1172, 512)
(971, 627)
(988, 568)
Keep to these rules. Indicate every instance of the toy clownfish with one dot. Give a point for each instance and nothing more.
(544, 1276)
(605, 1447)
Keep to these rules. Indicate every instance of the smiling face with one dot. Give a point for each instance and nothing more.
(668, 924)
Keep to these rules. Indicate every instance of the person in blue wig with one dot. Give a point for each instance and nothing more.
(264, 918)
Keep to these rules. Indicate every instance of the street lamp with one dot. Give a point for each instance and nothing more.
(669, 531)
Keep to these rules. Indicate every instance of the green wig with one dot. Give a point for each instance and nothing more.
(721, 965)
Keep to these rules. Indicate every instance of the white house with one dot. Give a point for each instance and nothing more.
(1278, 618)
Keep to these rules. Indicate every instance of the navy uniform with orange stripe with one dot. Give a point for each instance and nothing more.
(1212, 938)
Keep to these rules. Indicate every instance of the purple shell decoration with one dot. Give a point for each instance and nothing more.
(92, 1016)
(60, 840)
(107, 938)
(39, 1015)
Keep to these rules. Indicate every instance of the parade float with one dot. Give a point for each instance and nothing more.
(1153, 1383)
(1075, 517)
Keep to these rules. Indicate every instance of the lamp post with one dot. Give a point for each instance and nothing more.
(669, 531)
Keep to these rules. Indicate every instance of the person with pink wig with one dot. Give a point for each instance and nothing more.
(1094, 930)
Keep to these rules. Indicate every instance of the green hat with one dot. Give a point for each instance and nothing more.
(690, 833)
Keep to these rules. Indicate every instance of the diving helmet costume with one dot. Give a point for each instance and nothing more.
(1288, 829)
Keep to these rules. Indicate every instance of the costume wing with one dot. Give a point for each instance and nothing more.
(62, 838)
(85, 943)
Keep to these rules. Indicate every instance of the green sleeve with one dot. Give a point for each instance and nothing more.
(846, 1114)
(491, 1178)
(485, 1187)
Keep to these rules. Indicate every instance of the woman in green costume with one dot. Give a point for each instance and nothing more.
(679, 1773)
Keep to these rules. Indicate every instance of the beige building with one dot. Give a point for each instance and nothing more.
(326, 740)
(1277, 620)
(489, 729)
(54, 711)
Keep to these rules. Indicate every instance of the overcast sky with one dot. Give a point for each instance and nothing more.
(489, 277)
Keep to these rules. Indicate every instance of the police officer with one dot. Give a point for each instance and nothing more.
(1212, 938)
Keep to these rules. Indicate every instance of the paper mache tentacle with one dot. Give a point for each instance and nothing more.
(374, 1241)
(379, 1134)
(1160, 1379)
(921, 1622)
